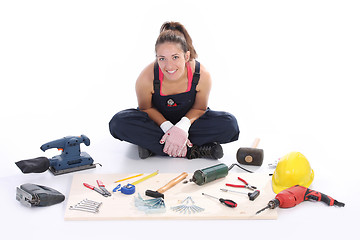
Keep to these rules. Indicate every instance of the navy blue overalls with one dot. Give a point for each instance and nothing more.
(135, 126)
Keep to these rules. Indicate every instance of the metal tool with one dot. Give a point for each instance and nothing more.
(87, 206)
(130, 187)
(70, 160)
(187, 206)
(212, 173)
(100, 191)
(102, 187)
(32, 195)
(274, 163)
(246, 185)
(154, 205)
(160, 192)
(252, 196)
(292, 196)
(226, 202)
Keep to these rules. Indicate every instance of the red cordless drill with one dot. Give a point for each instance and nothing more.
(293, 196)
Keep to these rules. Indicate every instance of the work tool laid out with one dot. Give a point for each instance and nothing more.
(130, 187)
(294, 195)
(274, 163)
(102, 187)
(101, 190)
(118, 187)
(251, 156)
(138, 175)
(252, 195)
(87, 205)
(160, 192)
(70, 160)
(226, 202)
(134, 207)
(246, 185)
(154, 205)
(33, 195)
(187, 206)
(212, 173)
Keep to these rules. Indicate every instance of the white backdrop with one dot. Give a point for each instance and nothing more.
(288, 71)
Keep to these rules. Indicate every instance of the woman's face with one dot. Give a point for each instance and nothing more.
(171, 59)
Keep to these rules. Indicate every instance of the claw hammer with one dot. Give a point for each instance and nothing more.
(160, 192)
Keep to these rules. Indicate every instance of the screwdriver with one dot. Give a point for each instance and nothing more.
(226, 202)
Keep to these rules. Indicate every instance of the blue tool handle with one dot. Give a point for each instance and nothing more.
(117, 188)
(69, 141)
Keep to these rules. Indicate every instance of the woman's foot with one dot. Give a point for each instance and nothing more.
(144, 153)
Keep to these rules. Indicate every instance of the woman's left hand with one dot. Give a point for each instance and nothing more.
(175, 141)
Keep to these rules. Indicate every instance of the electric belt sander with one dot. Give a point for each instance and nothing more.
(70, 160)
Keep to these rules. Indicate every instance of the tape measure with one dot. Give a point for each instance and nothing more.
(128, 189)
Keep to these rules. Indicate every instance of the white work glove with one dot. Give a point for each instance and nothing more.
(165, 126)
(176, 138)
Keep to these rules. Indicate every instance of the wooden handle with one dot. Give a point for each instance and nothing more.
(173, 182)
(256, 143)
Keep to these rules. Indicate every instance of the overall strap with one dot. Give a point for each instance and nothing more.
(196, 76)
(156, 77)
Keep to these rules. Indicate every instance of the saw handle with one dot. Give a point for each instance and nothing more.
(172, 182)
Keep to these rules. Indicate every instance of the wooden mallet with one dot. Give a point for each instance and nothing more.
(160, 192)
(251, 156)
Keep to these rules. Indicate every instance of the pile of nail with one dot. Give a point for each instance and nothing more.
(150, 205)
(87, 205)
(187, 207)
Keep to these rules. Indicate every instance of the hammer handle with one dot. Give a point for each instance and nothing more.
(256, 143)
(173, 182)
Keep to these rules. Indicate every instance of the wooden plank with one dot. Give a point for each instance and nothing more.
(122, 207)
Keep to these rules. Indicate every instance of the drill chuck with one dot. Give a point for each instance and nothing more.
(210, 174)
(273, 203)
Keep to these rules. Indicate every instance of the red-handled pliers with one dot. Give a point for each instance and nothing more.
(103, 191)
(241, 186)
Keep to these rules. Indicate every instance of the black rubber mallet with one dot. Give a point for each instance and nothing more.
(160, 192)
(251, 156)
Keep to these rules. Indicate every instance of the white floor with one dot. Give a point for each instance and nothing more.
(287, 70)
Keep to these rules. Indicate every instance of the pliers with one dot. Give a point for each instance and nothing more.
(241, 186)
(103, 191)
